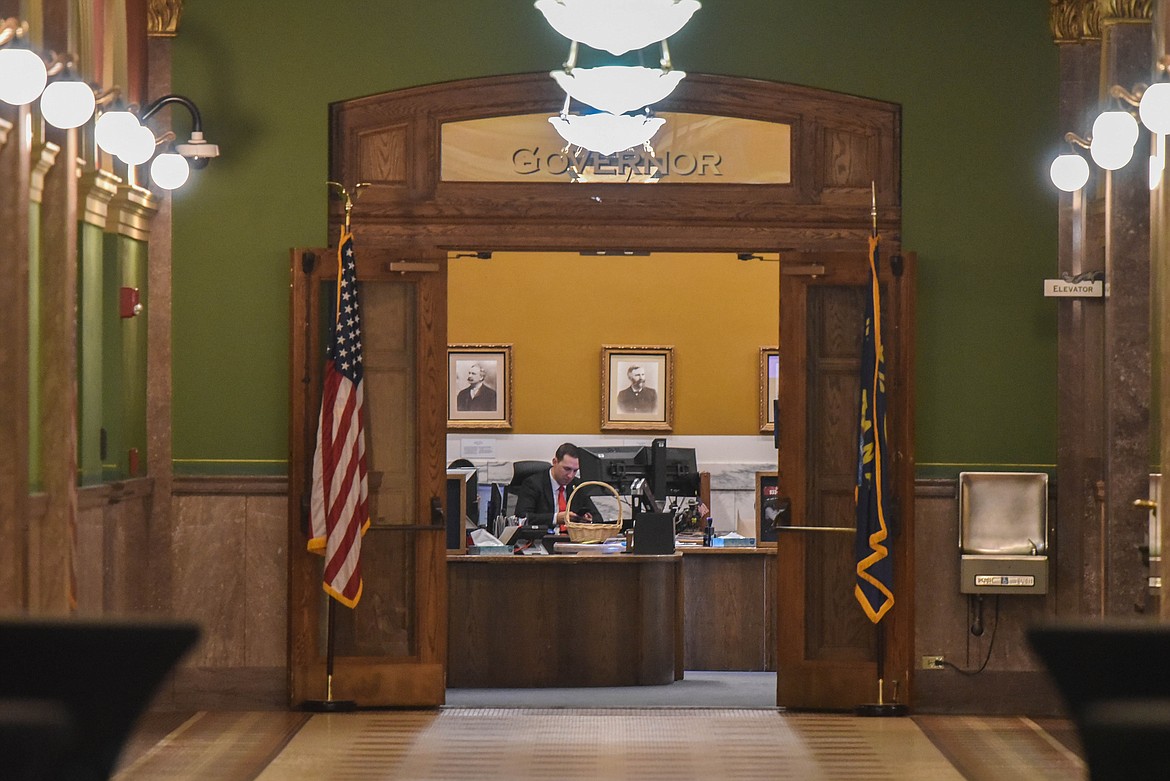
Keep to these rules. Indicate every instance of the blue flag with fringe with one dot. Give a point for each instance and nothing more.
(875, 567)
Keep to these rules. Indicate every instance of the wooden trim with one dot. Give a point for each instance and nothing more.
(230, 486)
(414, 210)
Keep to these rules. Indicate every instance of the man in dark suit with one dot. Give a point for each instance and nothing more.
(543, 497)
(476, 397)
(638, 397)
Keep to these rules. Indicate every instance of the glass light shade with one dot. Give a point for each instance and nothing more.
(1069, 172)
(1154, 108)
(113, 128)
(67, 104)
(1110, 157)
(138, 146)
(617, 26)
(22, 76)
(607, 133)
(618, 89)
(169, 170)
(1116, 129)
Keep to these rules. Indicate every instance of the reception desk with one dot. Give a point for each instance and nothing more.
(540, 621)
(522, 621)
(729, 608)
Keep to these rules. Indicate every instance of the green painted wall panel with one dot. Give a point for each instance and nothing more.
(978, 84)
(89, 353)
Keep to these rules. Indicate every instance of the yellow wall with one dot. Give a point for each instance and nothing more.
(558, 309)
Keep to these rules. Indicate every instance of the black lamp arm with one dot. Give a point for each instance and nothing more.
(154, 106)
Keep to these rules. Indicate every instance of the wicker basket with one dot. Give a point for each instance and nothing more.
(594, 532)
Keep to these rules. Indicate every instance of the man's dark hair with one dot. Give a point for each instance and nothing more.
(568, 449)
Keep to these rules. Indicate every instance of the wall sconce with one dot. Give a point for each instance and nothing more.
(68, 102)
(22, 71)
(121, 133)
(1115, 134)
(1070, 171)
(615, 91)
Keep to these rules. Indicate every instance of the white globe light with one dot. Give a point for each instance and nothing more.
(1069, 172)
(138, 147)
(618, 89)
(169, 170)
(1155, 108)
(1110, 157)
(113, 129)
(617, 26)
(22, 76)
(1116, 129)
(607, 133)
(67, 104)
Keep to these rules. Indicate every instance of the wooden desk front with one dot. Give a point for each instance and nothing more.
(539, 621)
(729, 608)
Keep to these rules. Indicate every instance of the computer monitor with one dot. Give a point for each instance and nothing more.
(668, 471)
(673, 471)
(617, 466)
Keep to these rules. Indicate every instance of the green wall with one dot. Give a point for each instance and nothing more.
(978, 86)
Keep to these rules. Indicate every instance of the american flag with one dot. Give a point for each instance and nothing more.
(339, 514)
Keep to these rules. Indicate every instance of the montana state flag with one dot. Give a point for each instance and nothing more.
(875, 568)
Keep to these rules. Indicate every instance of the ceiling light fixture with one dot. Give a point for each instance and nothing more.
(615, 91)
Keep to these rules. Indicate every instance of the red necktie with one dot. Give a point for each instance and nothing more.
(561, 499)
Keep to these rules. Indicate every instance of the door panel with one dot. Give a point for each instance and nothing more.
(390, 650)
(826, 655)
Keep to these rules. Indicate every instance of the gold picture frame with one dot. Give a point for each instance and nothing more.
(479, 386)
(637, 388)
(769, 387)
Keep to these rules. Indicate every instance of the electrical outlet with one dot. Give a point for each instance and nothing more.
(932, 663)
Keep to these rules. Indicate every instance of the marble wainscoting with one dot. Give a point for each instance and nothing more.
(732, 461)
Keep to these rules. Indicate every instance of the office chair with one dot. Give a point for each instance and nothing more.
(521, 471)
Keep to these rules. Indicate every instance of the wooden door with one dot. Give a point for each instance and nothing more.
(826, 647)
(390, 650)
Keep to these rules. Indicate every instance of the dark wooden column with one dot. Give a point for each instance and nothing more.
(1160, 316)
(52, 581)
(14, 214)
(163, 22)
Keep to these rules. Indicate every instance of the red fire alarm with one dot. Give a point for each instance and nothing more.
(129, 304)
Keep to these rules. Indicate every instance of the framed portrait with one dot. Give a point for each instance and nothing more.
(771, 511)
(637, 388)
(769, 387)
(479, 386)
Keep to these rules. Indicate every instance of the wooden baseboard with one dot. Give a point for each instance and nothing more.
(989, 693)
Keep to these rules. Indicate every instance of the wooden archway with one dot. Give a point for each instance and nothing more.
(409, 219)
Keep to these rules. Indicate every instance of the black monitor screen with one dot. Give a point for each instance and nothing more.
(617, 466)
(671, 471)
(679, 475)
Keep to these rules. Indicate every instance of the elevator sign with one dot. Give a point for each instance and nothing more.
(1063, 288)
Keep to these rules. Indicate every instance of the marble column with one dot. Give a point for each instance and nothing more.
(1126, 54)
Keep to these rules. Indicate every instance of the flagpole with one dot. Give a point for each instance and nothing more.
(881, 707)
(329, 705)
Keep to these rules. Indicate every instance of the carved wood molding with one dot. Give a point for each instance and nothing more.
(1077, 21)
(132, 211)
(162, 18)
(43, 158)
(95, 190)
